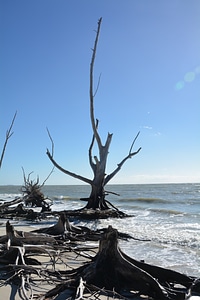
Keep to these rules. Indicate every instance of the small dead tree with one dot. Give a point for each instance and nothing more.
(32, 194)
(9, 133)
(96, 199)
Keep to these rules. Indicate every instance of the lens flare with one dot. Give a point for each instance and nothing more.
(197, 70)
(189, 77)
(179, 85)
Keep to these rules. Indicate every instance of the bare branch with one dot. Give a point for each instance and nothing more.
(108, 141)
(130, 155)
(102, 149)
(97, 86)
(24, 176)
(113, 193)
(50, 155)
(47, 177)
(92, 164)
(26, 180)
(52, 143)
(8, 135)
(84, 179)
(97, 137)
(134, 142)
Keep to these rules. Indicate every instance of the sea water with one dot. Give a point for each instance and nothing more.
(164, 222)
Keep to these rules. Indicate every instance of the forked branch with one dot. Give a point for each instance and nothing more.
(130, 155)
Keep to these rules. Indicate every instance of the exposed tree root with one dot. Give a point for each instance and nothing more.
(94, 214)
(64, 228)
(113, 270)
(110, 272)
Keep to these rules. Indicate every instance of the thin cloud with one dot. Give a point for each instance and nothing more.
(157, 133)
(148, 127)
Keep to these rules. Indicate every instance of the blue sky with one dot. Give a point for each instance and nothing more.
(149, 60)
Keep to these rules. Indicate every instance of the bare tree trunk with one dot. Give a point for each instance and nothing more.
(97, 197)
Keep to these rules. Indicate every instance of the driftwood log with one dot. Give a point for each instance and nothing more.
(17, 208)
(13, 250)
(63, 228)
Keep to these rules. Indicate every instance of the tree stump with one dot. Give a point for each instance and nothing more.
(112, 270)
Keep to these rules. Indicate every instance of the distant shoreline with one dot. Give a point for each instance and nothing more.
(112, 184)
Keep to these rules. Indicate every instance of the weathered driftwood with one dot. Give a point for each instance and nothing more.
(18, 238)
(17, 209)
(95, 214)
(9, 211)
(113, 270)
(110, 272)
(18, 250)
(63, 228)
(32, 196)
(18, 245)
(6, 204)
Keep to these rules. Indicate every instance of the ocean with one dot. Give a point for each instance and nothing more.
(165, 222)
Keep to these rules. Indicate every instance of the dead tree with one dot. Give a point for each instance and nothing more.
(96, 199)
(8, 135)
(32, 194)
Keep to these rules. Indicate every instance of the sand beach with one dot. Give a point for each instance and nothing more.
(41, 259)
(35, 291)
(39, 286)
